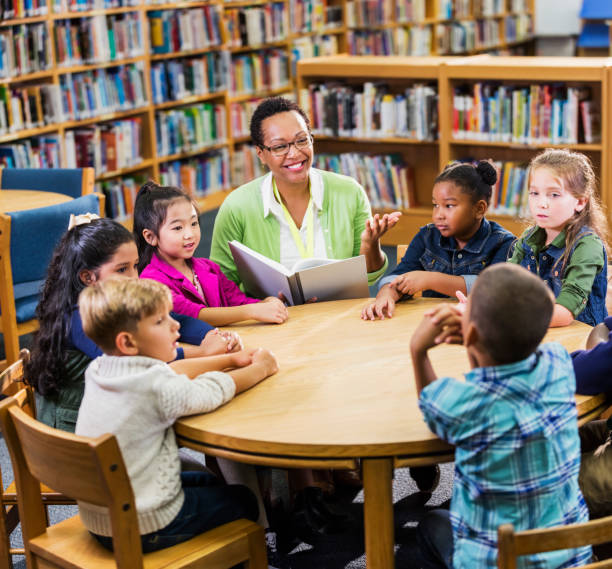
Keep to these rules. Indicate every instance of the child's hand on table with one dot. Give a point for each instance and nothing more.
(410, 283)
(220, 342)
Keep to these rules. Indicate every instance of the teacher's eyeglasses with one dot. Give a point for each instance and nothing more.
(279, 150)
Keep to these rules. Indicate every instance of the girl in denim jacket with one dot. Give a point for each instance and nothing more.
(566, 247)
(446, 256)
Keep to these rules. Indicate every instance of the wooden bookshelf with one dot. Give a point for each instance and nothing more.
(428, 158)
(311, 28)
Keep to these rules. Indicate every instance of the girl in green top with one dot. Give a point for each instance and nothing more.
(566, 246)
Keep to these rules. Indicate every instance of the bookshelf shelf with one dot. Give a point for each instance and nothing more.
(454, 77)
(190, 100)
(191, 153)
(20, 21)
(90, 13)
(180, 54)
(63, 70)
(123, 171)
(247, 48)
(299, 30)
(25, 78)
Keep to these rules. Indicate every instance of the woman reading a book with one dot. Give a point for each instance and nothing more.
(296, 211)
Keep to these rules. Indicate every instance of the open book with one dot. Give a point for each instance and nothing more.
(325, 279)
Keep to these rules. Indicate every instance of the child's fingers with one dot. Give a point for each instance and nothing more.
(461, 297)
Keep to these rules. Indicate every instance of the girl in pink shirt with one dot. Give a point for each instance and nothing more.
(167, 234)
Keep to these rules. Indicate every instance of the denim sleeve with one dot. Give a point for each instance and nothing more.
(192, 330)
(504, 249)
(79, 340)
(593, 368)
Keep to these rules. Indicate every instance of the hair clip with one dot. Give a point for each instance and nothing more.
(81, 219)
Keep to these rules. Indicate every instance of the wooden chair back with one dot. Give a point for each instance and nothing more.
(85, 469)
(401, 251)
(31, 234)
(513, 544)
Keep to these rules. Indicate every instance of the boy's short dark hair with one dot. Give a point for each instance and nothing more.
(511, 309)
(117, 305)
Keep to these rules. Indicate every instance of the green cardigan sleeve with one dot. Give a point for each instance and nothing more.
(228, 226)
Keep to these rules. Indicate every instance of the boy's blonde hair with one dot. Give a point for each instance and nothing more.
(117, 305)
(576, 171)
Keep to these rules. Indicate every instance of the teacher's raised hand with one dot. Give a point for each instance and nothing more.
(375, 228)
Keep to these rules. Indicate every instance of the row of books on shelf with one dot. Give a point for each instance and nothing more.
(93, 93)
(184, 30)
(518, 27)
(24, 49)
(449, 9)
(79, 96)
(536, 114)
(414, 40)
(372, 111)
(98, 39)
(246, 166)
(462, 36)
(199, 177)
(37, 152)
(175, 79)
(240, 116)
(107, 147)
(252, 26)
(189, 129)
(387, 180)
(313, 46)
(361, 13)
(315, 16)
(259, 71)
(120, 195)
(10, 9)
(511, 192)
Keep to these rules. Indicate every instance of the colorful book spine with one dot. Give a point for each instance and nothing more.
(387, 180)
(190, 129)
(199, 176)
(98, 39)
(536, 114)
(36, 152)
(372, 111)
(24, 49)
(314, 16)
(256, 26)
(245, 165)
(259, 71)
(185, 30)
(121, 195)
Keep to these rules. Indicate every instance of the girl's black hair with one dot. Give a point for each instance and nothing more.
(84, 247)
(150, 211)
(268, 108)
(473, 180)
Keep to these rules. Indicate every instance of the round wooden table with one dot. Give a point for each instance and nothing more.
(21, 200)
(345, 391)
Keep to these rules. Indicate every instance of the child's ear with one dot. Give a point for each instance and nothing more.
(470, 335)
(581, 204)
(149, 237)
(481, 208)
(87, 277)
(124, 342)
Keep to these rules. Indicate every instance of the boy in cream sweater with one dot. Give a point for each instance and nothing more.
(132, 393)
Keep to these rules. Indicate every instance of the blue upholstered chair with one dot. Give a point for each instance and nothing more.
(74, 182)
(27, 240)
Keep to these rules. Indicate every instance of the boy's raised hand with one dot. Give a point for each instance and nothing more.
(441, 324)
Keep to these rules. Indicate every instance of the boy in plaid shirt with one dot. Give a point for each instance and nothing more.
(512, 421)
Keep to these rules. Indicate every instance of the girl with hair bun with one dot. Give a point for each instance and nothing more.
(447, 255)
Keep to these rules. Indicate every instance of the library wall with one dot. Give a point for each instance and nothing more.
(140, 89)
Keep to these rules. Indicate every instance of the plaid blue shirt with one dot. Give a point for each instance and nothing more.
(517, 454)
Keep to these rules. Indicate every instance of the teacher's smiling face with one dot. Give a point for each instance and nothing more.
(287, 148)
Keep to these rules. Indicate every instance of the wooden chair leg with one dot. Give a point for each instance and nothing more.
(258, 558)
(6, 520)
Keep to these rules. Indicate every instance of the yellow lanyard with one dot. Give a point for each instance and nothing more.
(308, 251)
